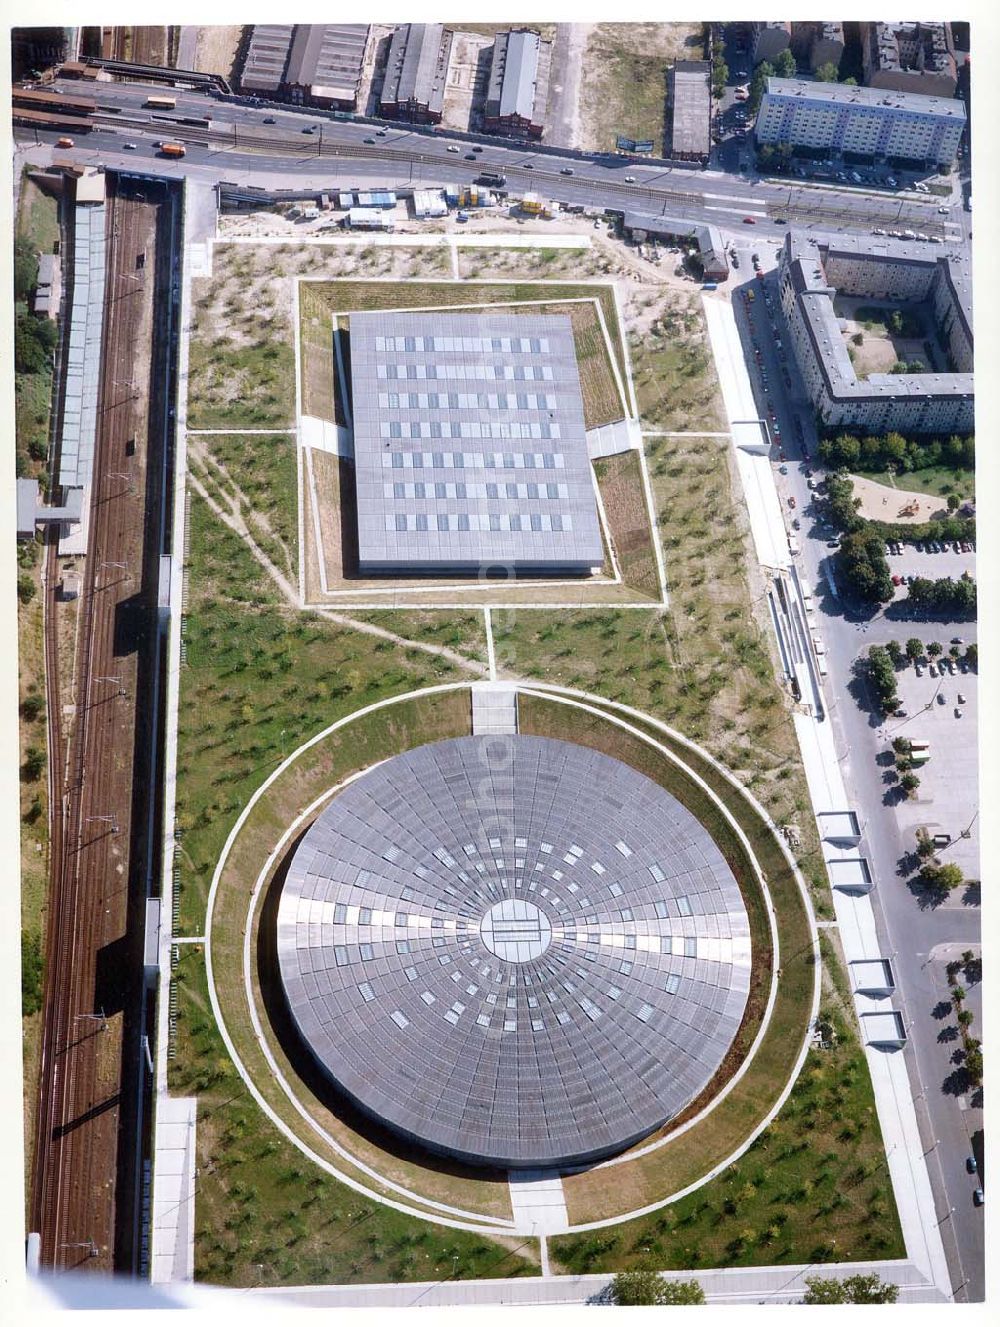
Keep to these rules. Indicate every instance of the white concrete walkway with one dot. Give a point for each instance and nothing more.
(890, 1080)
(494, 708)
(172, 1242)
(538, 1201)
(737, 1285)
(767, 524)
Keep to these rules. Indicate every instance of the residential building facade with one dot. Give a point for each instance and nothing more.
(838, 118)
(813, 270)
(909, 57)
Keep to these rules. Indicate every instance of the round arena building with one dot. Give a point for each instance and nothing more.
(513, 950)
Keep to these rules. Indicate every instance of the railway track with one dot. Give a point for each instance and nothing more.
(75, 1190)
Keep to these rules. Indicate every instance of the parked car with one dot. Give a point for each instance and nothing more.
(895, 580)
(957, 640)
(970, 1165)
(979, 1197)
(941, 698)
(958, 712)
(960, 698)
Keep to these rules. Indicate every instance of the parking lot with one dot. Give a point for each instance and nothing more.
(947, 800)
(934, 566)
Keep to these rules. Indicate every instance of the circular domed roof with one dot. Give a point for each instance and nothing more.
(515, 950)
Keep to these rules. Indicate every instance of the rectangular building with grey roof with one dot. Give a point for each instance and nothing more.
(470, 446)
(266, 56)
(812, 269)
(325, 63)
(518, 86)
(416, 73)
(689, 99)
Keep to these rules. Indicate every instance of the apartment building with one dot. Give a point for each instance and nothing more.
(870, 122)
(813, 269)
(909, 57)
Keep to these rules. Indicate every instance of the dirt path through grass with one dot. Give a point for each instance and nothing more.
(235, 522)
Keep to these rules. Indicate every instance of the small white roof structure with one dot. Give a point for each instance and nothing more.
(840, 827)
(884, 1029)
(873, 976)
(850, 873)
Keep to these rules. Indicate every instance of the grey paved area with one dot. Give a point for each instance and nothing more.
(948, 797)
(514, 949)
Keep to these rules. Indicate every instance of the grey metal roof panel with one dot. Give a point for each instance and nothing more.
(330, 57)
(490, 1001)
(417, 66)
(469, 443)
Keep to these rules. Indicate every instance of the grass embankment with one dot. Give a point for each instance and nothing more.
(673, 371)
(620, 481)
(321, 301)
(624, 85)
(936, 480)
(258, 680)
(704, 666)
(265, 1216)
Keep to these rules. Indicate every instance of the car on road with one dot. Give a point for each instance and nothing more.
(527, 165)
(470, 156)
(630, 179)
(64, 142)
(309, 129)
(477, 147)
(268, 119)
(749, 221)
(380, 133)
(944, 210)
(369, 140)
(566, 170)
(453, 147)
(957, 640)
(780, 221)
(130, 147)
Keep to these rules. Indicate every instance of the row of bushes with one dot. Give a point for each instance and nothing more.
(882, 676)
(944, 596)
(893, 451)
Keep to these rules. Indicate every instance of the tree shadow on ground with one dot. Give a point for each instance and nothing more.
(949, 1033)
(972, 895)
(957, 1083)
(926, 895)
(942, 1009)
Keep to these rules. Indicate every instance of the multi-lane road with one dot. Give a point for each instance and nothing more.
(239, 139)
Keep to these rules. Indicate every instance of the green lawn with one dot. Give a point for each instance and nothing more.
(258, 680)
(936, 480)
(261, 473)
(673, 371)
(240, 386)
